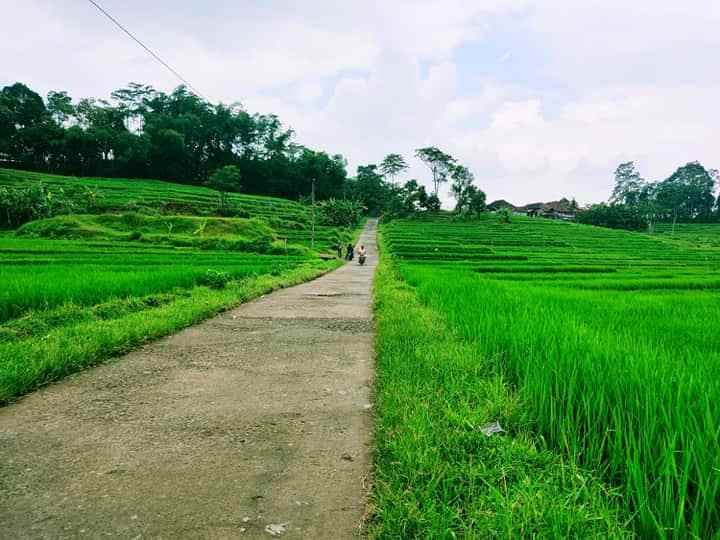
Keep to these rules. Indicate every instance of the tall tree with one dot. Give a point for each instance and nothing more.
(26, 127)
(370, 188)
(688, 193)
(392, 165)
(225, 180)
(144, 133)
(628, 184)
(414, 197)
(476, 200)
(60, 106)
(439, 163)
(462, 180)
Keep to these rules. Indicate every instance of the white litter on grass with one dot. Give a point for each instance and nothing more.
(276, 529)
(490, 429)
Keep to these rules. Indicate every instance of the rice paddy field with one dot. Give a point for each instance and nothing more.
(694, 233)
(597, 352)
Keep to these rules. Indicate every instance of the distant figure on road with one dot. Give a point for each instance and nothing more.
(350, 252)
(338, 247)
(362, 255)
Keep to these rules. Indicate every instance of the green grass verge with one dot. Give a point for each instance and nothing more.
(27, 364)
(437, 475)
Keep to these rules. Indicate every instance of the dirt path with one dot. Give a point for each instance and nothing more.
(253, 424)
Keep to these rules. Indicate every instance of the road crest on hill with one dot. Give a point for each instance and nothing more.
(253, 424)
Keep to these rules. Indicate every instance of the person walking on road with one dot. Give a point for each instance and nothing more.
(350, 252)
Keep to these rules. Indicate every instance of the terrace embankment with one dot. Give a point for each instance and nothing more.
(256, 422)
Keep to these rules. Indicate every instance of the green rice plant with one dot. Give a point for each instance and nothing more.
(215, 279)
(608, 339)
(436, 474)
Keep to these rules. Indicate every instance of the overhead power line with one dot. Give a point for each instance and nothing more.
(149, 51)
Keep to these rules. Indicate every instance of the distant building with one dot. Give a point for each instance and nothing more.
(563, 209)
(500, 204)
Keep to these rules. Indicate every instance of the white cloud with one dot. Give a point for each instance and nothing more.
(552, 95)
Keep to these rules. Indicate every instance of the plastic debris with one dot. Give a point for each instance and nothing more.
(491, 429)
(276, 529)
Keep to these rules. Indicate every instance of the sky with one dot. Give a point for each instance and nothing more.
(539, 98)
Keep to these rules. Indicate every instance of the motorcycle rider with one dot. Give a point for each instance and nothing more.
(362, 254)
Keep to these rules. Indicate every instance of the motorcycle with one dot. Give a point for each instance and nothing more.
(361, 259)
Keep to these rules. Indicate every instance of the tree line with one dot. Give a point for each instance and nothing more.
(687, 195)
(141, 132)
(378, 188)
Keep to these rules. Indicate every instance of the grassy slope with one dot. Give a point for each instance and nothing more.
(289, 219)
(616, 368)
(118, 193)
(697, 234)
(437, 475)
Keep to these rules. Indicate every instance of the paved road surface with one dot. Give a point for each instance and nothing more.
(254, 423)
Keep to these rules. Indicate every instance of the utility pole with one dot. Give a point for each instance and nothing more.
(312, 198)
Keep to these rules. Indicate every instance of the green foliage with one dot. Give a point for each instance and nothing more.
(215, 279)
(409, 200)
(339, 212)
(392, 165)
(470, 200)
(504, 215)
(433, 203)
(629, 185)
(224, 180)
(150, 196)
(439, 163)
(19, 205)
(476, 201)
(687, 195)
(329, 173)
(371, 190)
(614, 216)
(144, 133)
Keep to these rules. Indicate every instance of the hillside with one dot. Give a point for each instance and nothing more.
(698, 234)
(290, 220)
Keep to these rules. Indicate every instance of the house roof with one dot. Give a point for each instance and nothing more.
(501, 203)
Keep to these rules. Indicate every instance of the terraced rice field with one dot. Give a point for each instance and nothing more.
(594, 348)
(291, 220)
(44, 274)
(695, 233)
